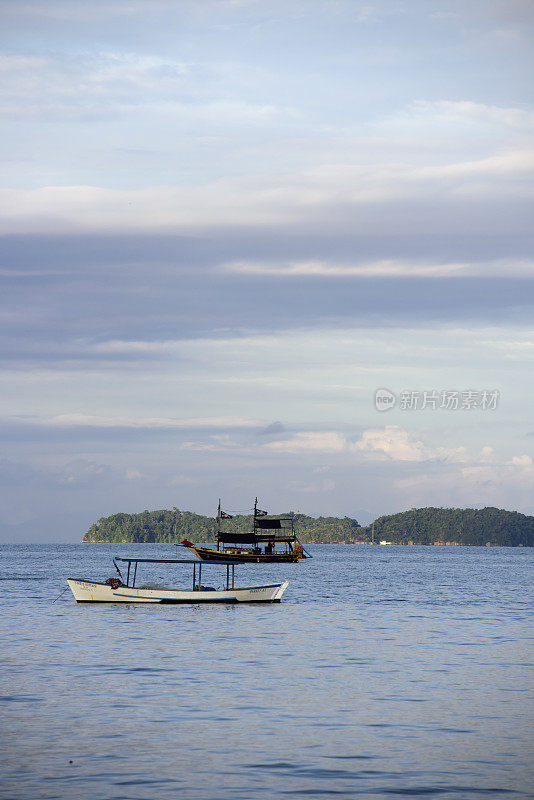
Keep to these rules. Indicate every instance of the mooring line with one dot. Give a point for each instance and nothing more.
(59, 595)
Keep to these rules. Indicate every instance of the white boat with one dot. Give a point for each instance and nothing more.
(124, 590)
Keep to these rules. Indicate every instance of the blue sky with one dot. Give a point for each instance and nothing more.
(225, 224)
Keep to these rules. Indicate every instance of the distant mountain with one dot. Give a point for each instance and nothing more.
(467, 526)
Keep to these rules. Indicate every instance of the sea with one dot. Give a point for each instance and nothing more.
(385, 671)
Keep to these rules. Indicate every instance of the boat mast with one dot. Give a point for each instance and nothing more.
(218, 523)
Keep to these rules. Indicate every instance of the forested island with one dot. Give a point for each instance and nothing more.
(428, 526)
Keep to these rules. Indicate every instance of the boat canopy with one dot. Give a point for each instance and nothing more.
(133, 563)
(274, 523)
(252, 538)
(265, 530)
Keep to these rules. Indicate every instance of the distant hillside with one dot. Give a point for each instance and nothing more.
(467, 526)
(175, 525)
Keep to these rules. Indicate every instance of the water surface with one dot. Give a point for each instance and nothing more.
(385, 671)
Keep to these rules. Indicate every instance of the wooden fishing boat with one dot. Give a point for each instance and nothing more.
(242, 555)
(271, 540)
(124, 589)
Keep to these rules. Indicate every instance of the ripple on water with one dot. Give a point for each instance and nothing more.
(404, 675)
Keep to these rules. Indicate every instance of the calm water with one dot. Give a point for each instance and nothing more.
(385, 671)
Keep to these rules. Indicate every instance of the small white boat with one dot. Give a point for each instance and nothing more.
(124, 590)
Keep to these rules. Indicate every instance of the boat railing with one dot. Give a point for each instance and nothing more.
(259, 538)
(230, 568)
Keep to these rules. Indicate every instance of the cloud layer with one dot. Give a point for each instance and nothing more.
(224, 224)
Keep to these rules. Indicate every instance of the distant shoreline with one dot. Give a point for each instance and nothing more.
(438, 527)
(366, 544)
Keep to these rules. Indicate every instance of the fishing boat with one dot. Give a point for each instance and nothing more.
(126, 589)
(272, 539)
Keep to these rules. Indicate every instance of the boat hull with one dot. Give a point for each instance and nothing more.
(206, 554)
(94, 592)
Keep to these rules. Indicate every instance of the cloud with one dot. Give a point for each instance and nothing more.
(77, 10)
(522, 461)
(468, 112)
(520, 349)
(93, 421)
(228, 213)
(352, 194)
(394, 443)
(249, 377)
(113, 85)
(399, 444)
(310, 442)
(83, 472)
(391, 442)
(273, 429)
(506, 483)
(384, 268)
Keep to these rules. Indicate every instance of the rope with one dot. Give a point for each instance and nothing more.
(59, 595)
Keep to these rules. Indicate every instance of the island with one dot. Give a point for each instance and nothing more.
(491, 527)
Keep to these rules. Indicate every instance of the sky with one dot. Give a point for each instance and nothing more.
(226, 224)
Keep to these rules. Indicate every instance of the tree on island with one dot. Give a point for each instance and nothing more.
(426, 526)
